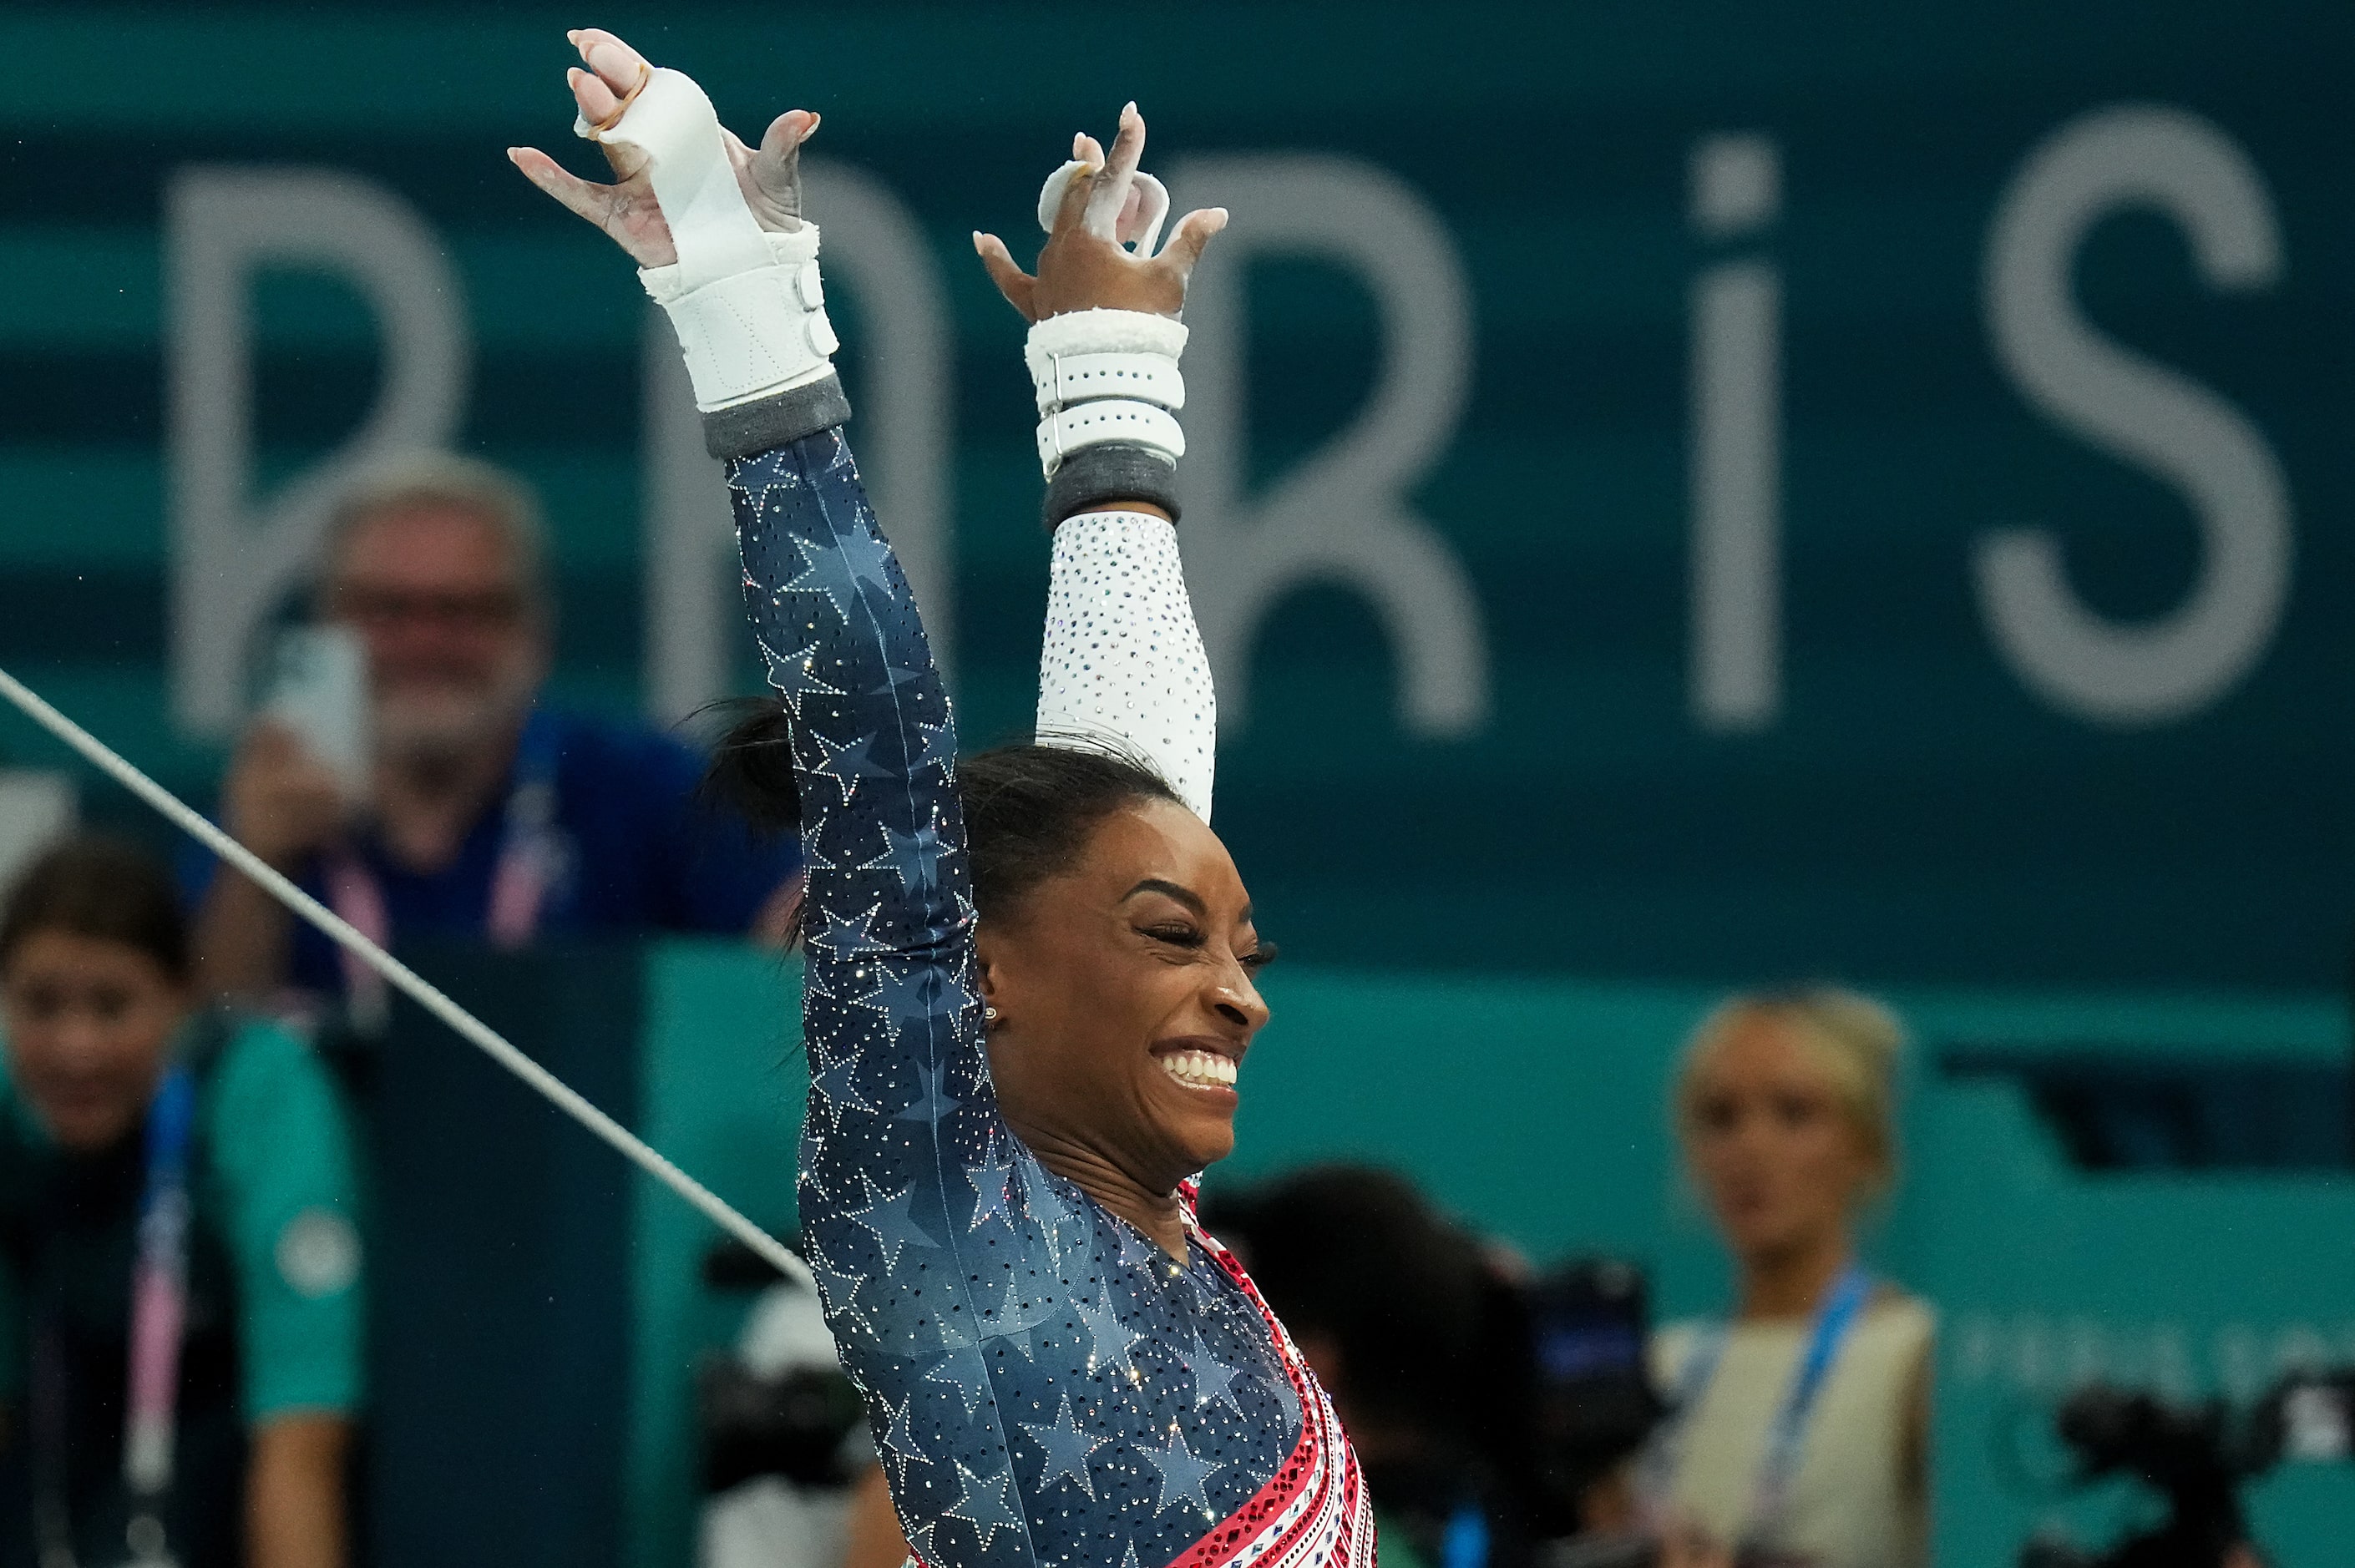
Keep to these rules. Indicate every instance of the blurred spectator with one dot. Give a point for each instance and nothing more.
(484, 813)
(183, 1180)
(1801, 1427)
(1413, 1333)
(784, 1437)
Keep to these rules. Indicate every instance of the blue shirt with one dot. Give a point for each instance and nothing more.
(638, 852)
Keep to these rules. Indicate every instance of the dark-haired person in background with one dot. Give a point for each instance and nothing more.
(180, 1180)
(1414, 1332)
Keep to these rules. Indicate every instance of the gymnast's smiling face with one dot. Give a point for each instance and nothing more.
(1126, 993)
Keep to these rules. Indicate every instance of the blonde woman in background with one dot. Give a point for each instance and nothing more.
(1801, 1426)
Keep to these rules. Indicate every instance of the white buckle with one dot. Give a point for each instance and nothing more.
(747, 337)
(1068, 430)
(1080, 377)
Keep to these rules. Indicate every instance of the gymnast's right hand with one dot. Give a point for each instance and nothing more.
(769, 177)
(1086, 265)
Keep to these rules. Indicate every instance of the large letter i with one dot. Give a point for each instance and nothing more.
(1736, 454)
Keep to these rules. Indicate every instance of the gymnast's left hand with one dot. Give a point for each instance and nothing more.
(769, 176)
(1085, 266)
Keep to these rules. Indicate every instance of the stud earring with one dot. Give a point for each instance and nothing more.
(989, 1014)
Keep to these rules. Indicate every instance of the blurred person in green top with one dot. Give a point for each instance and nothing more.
(179, 1267)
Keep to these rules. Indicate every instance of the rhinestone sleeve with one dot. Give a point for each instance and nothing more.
(1122, 665)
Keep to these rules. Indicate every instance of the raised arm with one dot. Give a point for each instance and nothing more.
(1121, 665)
(900, 1099)
(719, 231)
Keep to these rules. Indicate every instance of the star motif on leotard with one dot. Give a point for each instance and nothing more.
(951, 997)
(813, 984)
(940, 750)
(839, 1292)
(904, 995)
(839, 935)
(855, 558)
(838, 1086)
(962, 1370)
(1017, 1319)
(1066, 1449)
(1214, 1380)
(898, 1446)
(989, 1175)
(816, 858)
(1137, 1252)
(1110, 1340)
(867, 558)
(909, 856)
(891, 1222)
(984, 1504)
(1043, 1204)
(1182, 1474)
(932, 1102)
(793, 676)
(846, 764)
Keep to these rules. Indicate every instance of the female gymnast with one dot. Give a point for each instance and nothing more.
(1029, 977)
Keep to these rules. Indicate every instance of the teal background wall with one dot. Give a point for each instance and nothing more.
(1916, 811)
(1498, 932)
(721, 1094)
(1535, 1109)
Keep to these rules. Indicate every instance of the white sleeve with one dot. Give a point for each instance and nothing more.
(1123, 667)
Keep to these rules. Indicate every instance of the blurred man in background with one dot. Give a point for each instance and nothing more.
(483, 814)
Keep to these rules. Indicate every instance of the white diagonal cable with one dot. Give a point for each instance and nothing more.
(427, 996)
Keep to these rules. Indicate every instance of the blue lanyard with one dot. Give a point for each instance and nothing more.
(530, 858)
(159, 1290)
(1466, 1542)
(531, 798)
(159, 1296)
(1851, 1294)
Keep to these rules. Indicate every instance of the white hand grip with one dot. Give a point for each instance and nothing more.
(1154, 208)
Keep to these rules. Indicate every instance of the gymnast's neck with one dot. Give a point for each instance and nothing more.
(1153, 1207)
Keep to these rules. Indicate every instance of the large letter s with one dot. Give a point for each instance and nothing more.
(2139, 411)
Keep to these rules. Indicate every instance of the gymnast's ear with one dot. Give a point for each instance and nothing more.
(991, 981)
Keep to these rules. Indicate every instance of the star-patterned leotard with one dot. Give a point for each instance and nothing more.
(1046, 1385)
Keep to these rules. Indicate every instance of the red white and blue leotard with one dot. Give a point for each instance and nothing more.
(1046, 1385)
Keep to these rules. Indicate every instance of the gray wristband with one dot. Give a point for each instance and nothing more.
(1115, 470)
(772, 422)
